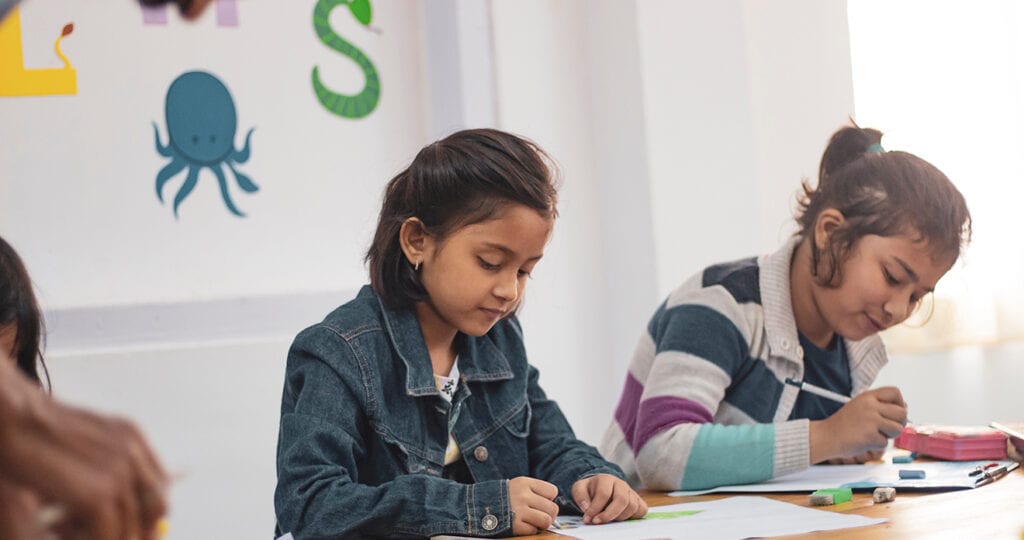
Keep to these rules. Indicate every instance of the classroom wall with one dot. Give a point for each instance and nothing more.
(682, 129)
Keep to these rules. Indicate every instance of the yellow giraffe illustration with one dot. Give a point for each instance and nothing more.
(15, 80)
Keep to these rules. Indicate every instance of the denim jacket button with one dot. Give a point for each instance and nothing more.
(489, 522)
(480, 453)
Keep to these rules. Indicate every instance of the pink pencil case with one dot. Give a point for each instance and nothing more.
(953, 443)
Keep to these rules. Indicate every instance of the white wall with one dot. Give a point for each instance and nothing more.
(683, 129)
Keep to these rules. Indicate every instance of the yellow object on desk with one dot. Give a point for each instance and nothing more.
(49, 516)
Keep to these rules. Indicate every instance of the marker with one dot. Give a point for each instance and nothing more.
(818, 391)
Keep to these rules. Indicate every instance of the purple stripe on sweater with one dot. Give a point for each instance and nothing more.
(625, 413)
(663, 412)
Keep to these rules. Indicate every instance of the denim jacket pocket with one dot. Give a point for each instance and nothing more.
(408, 458)
(518, 423)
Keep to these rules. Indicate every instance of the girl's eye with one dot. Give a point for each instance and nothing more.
(486, 265)
(525, 273)
(889, 277)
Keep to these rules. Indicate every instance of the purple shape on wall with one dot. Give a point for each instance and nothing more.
(227, 13)
(154, 14)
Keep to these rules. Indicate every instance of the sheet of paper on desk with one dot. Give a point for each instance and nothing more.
(729, 518)
(938, 475)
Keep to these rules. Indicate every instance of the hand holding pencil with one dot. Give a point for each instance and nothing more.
(863, 425)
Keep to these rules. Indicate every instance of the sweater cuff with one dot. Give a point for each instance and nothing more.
(792, 447)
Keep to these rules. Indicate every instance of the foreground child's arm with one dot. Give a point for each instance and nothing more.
(319, 492)
(678, 446)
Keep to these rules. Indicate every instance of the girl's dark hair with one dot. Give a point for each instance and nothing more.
(18, 307)
(465, 178)
(881, 193)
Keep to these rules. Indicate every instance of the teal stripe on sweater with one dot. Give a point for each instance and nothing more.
(729, 455)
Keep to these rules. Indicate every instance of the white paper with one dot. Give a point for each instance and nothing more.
(938, 475)
(729, 518)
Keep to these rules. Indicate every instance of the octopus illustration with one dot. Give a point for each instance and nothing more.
(201, 124)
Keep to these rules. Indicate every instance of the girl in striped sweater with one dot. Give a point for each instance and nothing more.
(705, 402)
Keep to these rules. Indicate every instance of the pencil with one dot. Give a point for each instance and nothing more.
(818, 391)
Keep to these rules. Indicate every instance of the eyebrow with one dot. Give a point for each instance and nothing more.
(507, 250)
(910, 271)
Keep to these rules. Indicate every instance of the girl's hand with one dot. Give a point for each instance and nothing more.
(532, 503)
(865, 424)
(870, 455)
(605, 498)
(100, 470)
(18, 509)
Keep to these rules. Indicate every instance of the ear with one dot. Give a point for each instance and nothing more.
(828, 221)
(415, 240)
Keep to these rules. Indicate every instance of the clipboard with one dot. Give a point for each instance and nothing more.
(1015, 432)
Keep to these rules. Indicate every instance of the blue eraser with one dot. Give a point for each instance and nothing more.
(903, 459)
(911, 474)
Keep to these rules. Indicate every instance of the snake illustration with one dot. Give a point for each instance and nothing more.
(346, 106)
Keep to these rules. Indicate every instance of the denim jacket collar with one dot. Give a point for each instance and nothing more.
(479, 359)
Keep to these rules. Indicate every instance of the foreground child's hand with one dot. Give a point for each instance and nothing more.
(863, 425)
(532, 503)
(605, 498)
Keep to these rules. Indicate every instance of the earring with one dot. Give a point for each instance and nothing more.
(416, 267)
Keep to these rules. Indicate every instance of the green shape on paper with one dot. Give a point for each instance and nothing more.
(670, 515)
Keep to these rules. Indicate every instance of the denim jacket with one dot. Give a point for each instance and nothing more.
(364, 431)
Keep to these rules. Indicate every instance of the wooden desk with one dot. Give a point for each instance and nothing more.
(992, 511)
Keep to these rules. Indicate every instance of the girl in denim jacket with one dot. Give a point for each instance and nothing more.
(411, 410)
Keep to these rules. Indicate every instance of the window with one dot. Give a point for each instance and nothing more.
(945, 81)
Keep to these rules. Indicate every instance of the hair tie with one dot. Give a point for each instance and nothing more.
(875, 148)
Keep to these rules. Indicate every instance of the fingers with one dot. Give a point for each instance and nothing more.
(600, 494)
(641, 509)
(581, 495)
(532, 503)
(889, 394)
(544, 489)
(538, 519)
(611, 499)
(98, 470)
(896, 413)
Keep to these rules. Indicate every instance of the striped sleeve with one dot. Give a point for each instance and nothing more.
(701, 352)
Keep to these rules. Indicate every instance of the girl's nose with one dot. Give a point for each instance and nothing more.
(898, 308)
(507, 289)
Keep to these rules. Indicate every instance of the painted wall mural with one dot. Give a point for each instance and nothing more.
(201, 124)
(16, 80)
(346, 106)
(182, 161)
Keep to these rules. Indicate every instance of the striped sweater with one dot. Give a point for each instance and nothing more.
(704, 403)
